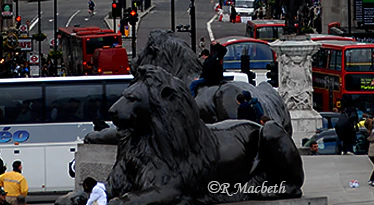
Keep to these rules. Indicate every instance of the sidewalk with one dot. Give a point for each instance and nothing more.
(330, 176)
(126, 41)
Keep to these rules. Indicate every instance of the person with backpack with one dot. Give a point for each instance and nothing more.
(245, 111)
(253, 102)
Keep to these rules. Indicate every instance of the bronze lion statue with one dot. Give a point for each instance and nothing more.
(168, 155)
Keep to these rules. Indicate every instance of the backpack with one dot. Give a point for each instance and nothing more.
(258, 110)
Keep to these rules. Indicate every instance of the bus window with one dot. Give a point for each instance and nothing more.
(317, 101)
(320, 59)
(338, 60)
(73, 103)
(269, 33)
(93, 43)
(19, 105)
(250, 31)
(260, 55)
(333, 60)
(360, 59)
(113, 91)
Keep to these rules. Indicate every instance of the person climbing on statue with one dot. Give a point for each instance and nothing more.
(212, 67)
(253, 102)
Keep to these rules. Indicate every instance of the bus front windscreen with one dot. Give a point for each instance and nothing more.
(269, 33)
(99, 42)
(244, 4)
(359, 59)
(259, 55)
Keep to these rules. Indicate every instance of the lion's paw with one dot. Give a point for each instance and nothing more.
(116, 201)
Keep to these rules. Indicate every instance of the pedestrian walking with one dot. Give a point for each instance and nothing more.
(97, 191)
(346, 127)
(233, 14)
(14, 183)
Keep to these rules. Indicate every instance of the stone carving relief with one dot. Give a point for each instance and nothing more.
(296, 81)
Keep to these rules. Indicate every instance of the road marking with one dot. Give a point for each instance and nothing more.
(209, 28)
(71, 18)
(34, 21)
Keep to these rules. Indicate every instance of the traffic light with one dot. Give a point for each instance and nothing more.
(116, 10)
(133, 17)
(18, 20)
(273, 74)
(133, 14)
(251, 78)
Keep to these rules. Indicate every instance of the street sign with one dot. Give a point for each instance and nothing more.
(368, 13)
(34, 70)
(52, 42)
(23, 28)
(34, 59)
(25, 44)
(12, 40)
(7, 11)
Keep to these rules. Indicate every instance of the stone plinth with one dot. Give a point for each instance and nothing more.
(94, 161)
(294, 55)
(300, 201)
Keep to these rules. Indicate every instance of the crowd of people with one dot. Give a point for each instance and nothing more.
(17, 66)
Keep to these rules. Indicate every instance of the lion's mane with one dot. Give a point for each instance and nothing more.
(178, 139)
(173, 54)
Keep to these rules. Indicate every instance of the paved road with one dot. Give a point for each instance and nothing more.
(160, 18)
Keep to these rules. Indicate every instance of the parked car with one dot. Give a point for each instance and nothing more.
(329, 119)
(329, 143)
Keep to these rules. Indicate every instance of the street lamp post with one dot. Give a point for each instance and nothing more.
(55, 35)
(40, 42)
(193, 25)
(172, 16)
(16, 7)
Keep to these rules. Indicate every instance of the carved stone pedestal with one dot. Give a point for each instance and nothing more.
(294, 55)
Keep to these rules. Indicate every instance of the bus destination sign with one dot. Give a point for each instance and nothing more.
(360, 82)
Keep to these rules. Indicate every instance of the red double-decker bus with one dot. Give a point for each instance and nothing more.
(343, 75)
(329, 37)
(265, 29)
(79, 44)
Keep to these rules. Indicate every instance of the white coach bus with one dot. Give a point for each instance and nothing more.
(43, 119)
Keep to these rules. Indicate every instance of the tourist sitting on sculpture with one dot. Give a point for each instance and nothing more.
(212, 67)
(167, 155)
(215, 102)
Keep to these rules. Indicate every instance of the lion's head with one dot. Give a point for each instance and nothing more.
(173, 54)
(160, 106)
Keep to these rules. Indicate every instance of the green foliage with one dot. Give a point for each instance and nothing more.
(52, 54)
(307, 29)
(39, 37)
